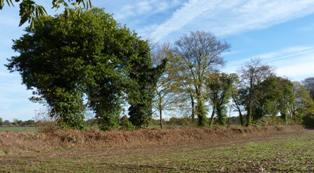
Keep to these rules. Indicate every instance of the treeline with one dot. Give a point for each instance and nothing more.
(192, 77)
(16, 123)
(83, 56)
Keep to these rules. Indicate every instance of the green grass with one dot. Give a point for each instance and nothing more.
(18, 129)
(294, 153)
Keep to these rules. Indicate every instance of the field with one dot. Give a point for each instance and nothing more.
(284, 149)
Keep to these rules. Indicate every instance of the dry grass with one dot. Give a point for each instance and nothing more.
(30, 141)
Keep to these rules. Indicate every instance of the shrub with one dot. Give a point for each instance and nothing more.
(47, 127)
(125, 123)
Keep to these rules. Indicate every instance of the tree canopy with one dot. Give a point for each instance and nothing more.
(66, 57)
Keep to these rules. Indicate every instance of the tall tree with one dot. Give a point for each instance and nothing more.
(274, 95)
(200, 53)
(165, 93)
(238, 98)
(67, 56)
(252, 74)
(145, 77)
(220, 87)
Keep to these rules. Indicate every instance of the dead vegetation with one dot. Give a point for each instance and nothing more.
(56, 138)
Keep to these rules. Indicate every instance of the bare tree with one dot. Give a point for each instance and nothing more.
(252, 74)
(200, 53)
(168, 92)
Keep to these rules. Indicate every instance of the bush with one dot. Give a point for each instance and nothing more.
(47, 127)
(125, 123)
(308, 120)
(270, 120)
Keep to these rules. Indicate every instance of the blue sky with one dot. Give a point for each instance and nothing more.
(279, 32)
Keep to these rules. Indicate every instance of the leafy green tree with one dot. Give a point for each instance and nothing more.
(274, 95)
(67, 56)
(145, 78)
(220, 87)
(200, 54)
(303, 103)
(1, 121)
(30, 11)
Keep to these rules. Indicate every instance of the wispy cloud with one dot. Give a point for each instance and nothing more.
(294, 62)
(225, 17)
(146, 7)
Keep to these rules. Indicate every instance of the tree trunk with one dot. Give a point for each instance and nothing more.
(211, 122)
(160, 107)
(249, 111)
(192, 107)
(241, 117)
(160, 118)
(200, 112)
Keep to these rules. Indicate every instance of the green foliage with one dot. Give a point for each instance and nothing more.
(54, 60)
(220, 87)
(201, 112)
(29, 11)
(67, 108)
(76, 54)
(1, 121)
(303, 103)
(274, 95)
(125, 123)
(141, 93)
(252, 74)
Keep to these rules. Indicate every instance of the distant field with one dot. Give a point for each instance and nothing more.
(291, 152)
(18, 129)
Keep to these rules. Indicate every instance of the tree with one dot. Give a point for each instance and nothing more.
(238, 95)
(309, 84)
(145, 78)
(50, 66)
(274, 95)
(30, 11)
(200, 53)
(220, 87)
(1, 122)
(303, 103)
(164, 97)
(252, 74)
(181, 85)
(66, 57)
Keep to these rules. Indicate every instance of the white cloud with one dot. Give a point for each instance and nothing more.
(145, 7)
(293, 62)
(225, 17)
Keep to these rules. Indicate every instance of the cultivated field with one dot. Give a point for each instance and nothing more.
(272, 149)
